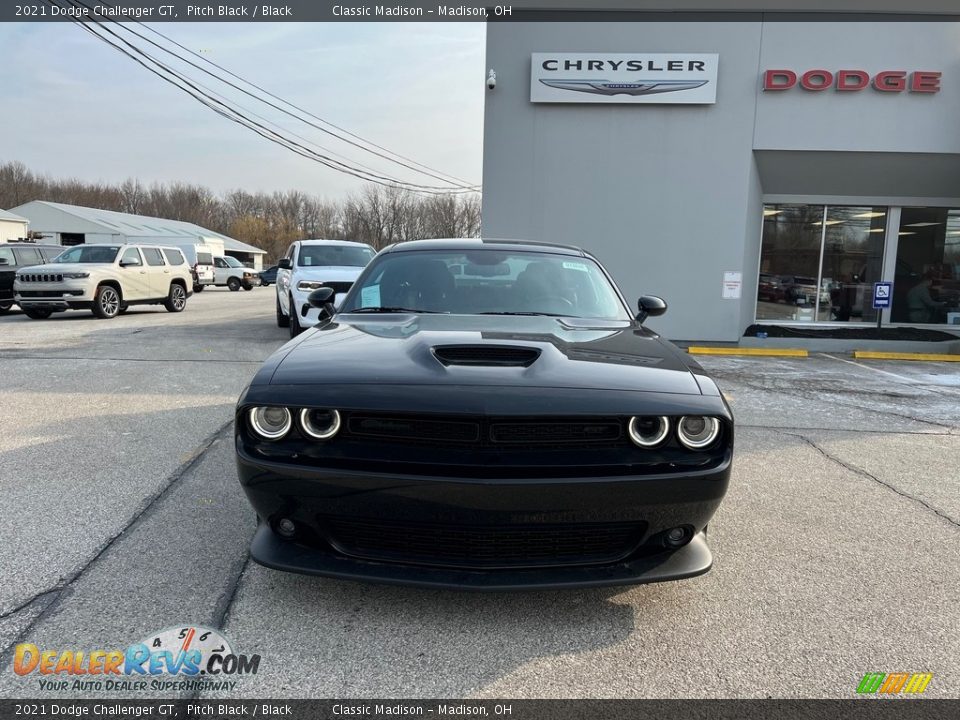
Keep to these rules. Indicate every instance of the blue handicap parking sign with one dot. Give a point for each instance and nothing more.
(882, 293)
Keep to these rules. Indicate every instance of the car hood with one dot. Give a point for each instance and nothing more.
(486, 351)
(328, 273)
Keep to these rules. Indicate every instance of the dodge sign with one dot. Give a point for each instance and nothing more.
(665, 78)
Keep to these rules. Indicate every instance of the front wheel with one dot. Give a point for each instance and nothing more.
(198, 288)
(176, 298)
(106, 303)
(282, 320)
(37, 313)
(234, 284)
(295, 328)
(248, 286)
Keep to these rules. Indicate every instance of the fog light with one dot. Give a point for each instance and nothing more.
(677, 537)
(286, 527)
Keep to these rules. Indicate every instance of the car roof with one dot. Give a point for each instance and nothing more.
(487, 244)
(320, 241)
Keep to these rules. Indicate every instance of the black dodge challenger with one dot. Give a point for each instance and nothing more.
(487, 415)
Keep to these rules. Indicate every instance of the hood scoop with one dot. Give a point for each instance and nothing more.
(486, 355)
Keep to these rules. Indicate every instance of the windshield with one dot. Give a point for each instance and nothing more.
(338, 255)
(486, 282)
(233, 262)
(89, 254)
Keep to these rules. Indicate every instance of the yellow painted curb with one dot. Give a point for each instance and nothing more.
(763, 352)
(876, 355)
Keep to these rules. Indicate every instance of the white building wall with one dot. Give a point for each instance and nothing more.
(12, 230)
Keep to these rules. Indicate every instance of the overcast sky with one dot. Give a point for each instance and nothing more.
(75, 107)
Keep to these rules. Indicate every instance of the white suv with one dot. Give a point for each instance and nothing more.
(310, 265)
(106, 279)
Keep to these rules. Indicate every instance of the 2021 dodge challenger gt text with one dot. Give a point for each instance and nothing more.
(488, 415)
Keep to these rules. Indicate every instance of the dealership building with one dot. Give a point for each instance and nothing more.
(753, 168)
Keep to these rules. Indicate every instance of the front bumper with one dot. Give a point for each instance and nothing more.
(318, 501)
(273, 551)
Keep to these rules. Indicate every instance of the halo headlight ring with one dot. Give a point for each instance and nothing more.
(701, 440)
(311, 430)
(650, 440)
(258, 419)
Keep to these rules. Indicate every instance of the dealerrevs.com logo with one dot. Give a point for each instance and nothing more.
(179, 658)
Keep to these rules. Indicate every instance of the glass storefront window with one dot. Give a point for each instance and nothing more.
(789, 256)
(819, 263)
(926, 285)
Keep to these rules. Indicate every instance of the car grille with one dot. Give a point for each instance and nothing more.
(41, 277)
(484, 546)
(487, 432)
(338, 287)
(42, 293)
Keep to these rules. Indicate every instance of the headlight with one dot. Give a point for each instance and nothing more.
(270, 423)
(648, 431)
(320, 424)
(697, 432)
(310, 285)
(75, 275)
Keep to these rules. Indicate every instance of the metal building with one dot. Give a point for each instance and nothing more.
(750, 167)
(72, 224)
(12, 227)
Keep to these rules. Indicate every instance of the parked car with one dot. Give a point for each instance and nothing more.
(14, 256)
(105, 279)
(268, 276)
(515, 425)
(771, 288)
(230, 272)
(312, 264)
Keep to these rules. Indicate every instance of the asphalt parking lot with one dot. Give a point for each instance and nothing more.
(837, 549)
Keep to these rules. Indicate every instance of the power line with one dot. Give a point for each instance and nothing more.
(223, 108)
(404, 162)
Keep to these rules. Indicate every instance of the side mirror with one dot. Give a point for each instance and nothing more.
(284, 264)
(650, 306)
(322, 298)
(129, 263)
(4, 261)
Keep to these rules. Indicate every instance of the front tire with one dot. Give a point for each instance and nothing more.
(282, 320)
(37, 313)
(176, 298)
(295, 328)
(107, 302)
(233, 284)
(248, 286)
(198, 288)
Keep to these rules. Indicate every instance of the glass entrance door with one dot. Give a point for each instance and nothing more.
(926, 283)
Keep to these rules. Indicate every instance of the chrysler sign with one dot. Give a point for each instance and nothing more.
(665, 78)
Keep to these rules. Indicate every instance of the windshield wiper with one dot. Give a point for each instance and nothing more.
(387, 310)
(508, 312)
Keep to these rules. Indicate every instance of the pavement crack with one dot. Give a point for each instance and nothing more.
(146, 509)
(863, 473)
(38, 598)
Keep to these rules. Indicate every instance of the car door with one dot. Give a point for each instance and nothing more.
(283, 280)
(8, 269)
(221, 271)
(134, 279)
(158, 272)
